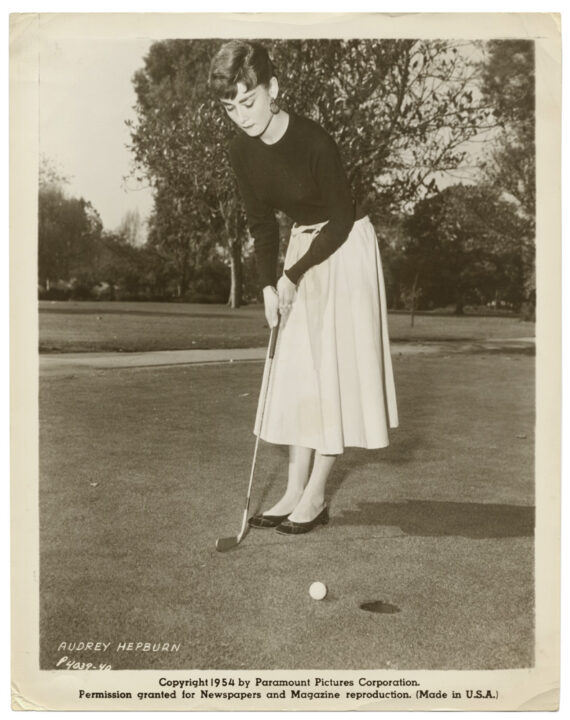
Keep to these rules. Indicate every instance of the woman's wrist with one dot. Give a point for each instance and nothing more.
(288, 276)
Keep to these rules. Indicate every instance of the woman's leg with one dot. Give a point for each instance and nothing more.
(313, 499)
(298, 473)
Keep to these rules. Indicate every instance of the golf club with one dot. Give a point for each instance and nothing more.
(227, 543)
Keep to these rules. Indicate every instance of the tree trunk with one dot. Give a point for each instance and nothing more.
(235, 299)
(184, 277)
(414, 291)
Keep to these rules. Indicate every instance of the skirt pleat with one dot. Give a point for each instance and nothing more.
(331, 383)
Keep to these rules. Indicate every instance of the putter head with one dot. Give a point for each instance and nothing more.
(227, 543)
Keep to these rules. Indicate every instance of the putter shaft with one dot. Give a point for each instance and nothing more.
(223, 544)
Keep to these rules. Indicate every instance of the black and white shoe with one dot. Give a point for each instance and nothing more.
(290, 527)
(266, 521)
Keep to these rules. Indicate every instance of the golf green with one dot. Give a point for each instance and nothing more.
(143, 469)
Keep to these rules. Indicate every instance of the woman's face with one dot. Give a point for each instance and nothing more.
(250, 109)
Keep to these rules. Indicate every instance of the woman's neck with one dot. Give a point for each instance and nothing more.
(276, 128)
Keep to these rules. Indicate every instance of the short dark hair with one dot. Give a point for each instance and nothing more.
(239, 61)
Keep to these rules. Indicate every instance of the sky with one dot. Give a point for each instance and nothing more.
(86, 94)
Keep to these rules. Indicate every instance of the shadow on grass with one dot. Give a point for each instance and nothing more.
(436, 519)
(402, 450)
(267, 488)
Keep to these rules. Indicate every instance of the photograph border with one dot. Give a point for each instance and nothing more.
(524, 689)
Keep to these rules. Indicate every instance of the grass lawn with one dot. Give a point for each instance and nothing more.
(131, 327)
(142, 469)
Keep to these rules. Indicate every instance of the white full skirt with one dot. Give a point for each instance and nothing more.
(331, 383)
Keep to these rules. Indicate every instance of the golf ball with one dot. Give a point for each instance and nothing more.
(318, 590)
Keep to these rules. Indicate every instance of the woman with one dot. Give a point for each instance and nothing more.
(331, 384)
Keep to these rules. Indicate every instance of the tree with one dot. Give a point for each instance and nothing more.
(464, 246)
(400, 109)
(509, 85)
(180, 141)
(131, 228)
(124, 267)
(68, 229)
(49, 175)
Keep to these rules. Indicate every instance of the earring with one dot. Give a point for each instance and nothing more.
(273, 106)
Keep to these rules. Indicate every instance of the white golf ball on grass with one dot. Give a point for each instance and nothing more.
(318, 591)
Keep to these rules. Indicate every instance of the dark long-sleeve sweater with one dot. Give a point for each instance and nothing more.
(302, 175)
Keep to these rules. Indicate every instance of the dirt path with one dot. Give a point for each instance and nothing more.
(63, 363)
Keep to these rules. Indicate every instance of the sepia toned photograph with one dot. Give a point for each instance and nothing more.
(286, 305)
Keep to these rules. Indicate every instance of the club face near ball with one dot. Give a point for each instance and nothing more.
(227, 543)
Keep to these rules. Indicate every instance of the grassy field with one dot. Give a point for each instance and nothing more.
(131, 327)
(141, 471)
